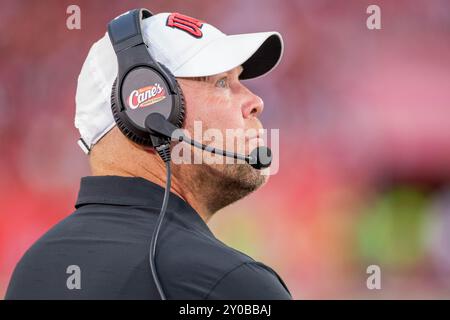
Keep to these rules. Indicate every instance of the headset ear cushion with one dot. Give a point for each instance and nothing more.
(179, 109)
(181, 112)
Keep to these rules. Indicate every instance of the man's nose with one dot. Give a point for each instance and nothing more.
(253, 105)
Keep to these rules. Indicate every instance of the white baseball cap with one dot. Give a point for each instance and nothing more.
(186, 46)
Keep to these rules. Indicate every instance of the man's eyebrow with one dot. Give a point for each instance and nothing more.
(202, 79)
(208, 78)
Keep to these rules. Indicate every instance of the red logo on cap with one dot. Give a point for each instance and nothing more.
(185, 23)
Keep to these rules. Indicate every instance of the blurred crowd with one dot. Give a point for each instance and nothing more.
(364, 119)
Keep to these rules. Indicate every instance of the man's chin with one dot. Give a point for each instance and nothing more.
(220, 185)
(242, 177)
(229, 183)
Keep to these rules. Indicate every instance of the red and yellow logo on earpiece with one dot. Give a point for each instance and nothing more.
(146, 96)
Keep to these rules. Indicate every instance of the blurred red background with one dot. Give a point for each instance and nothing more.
(364, 121)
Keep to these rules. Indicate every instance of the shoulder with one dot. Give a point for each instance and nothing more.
(195, 266)
(250, 281)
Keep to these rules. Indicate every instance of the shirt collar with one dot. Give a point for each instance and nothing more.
(136, 191)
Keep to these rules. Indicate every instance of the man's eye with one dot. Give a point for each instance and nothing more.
(222, 83)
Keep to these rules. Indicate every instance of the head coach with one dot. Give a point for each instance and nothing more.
(149, 75)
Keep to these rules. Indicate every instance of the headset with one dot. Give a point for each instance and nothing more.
(148, 107)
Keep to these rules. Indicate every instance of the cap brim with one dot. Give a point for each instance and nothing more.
(257, 53)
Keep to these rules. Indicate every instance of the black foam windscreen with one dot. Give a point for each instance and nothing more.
(261, 158)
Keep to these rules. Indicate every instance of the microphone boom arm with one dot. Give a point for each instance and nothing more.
(214, 150)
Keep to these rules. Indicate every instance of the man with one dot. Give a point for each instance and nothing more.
(101, 251)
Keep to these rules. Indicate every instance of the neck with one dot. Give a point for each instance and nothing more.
(114, 154)
(154, 170)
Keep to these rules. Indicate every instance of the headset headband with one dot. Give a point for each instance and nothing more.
(125, 30)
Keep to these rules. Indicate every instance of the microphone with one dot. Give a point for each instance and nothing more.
(156, 124)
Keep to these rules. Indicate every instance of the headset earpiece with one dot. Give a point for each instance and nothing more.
(176, 117)
(143, 86)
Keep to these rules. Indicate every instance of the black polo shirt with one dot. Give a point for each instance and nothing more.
(105, 245)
